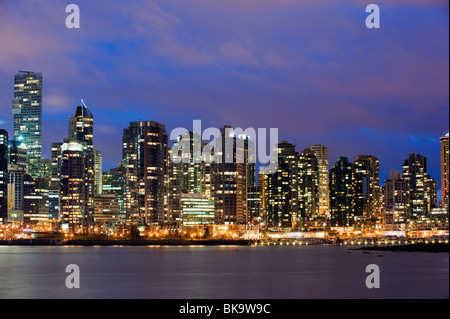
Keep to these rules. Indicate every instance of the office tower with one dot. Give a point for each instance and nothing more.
(308, 186)
(3, 176)
(56, 164)
(174, 186)
(321, 153)
(35, 200)
(341, 179)
(74, 197)
(76, 159)
(196, 209)
(396, 198)
(262, 189)
(106, 209)
(145, 156)
(81, 126)
(98, 171)
(17, 154)
(15, 191)
(113, 184)
(191, 164)
(415, 172)
(445, 166)
(367, 186)
(232, 180)
(282, 188)
(27, 112)
(54, 210)
(431, 193)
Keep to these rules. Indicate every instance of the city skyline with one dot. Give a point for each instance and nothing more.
(162, 61)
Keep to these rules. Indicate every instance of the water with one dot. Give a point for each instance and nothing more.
(195, 272)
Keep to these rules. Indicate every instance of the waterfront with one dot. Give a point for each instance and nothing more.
(213, 272)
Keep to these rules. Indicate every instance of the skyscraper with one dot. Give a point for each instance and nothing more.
(431, 193)
(81, 126)
(308, 186)
(27, 112)
(232, 178)
(415, 172)
(77, 163)
(445, 166)
(396, 198)
(282, 188)
(3, 176)
(367, 186)
(342, 193)
(145, 156)
(321, 153)
(113, 184)
(76, 198)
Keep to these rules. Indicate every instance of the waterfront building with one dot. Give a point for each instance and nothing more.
(145, 156)
(282, 188)
(234, 175)
(3, 176)
(27, 112)
(415, 172)
(113, 184)
(396, 199)
(342, 193)
(196, 209)
(366, 186)
(308, 186)
(445, 167)
(321, 153)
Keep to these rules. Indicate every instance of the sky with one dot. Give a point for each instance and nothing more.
(312, 69)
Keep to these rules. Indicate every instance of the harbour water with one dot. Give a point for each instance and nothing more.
(220, 272)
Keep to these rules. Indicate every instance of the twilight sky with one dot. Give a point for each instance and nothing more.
(310, 68)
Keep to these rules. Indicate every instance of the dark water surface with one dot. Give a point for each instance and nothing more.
(257, 272)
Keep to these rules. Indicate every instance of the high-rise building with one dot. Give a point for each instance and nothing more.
(282, 188)
(15, 191)
(113, 184)
(415, 172)
(262, 190)
(342, 193)
(445, 166)
(308, 186)
(431, 193)
(145, 156)
(75, 197)
(81, 126)
(35, 199)
(77, 161)
(3, 176)
(233, 177)
(367, 186)
(27, 112)
(321, 153)
(396, 198)
(196, 209)
(98, 171)
(17, 154)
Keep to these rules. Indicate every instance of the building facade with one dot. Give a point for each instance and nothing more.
(27, 112)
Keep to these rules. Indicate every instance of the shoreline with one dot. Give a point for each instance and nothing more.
(419, 247)
(126, 242)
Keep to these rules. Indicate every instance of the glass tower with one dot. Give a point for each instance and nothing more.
(27, 112)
